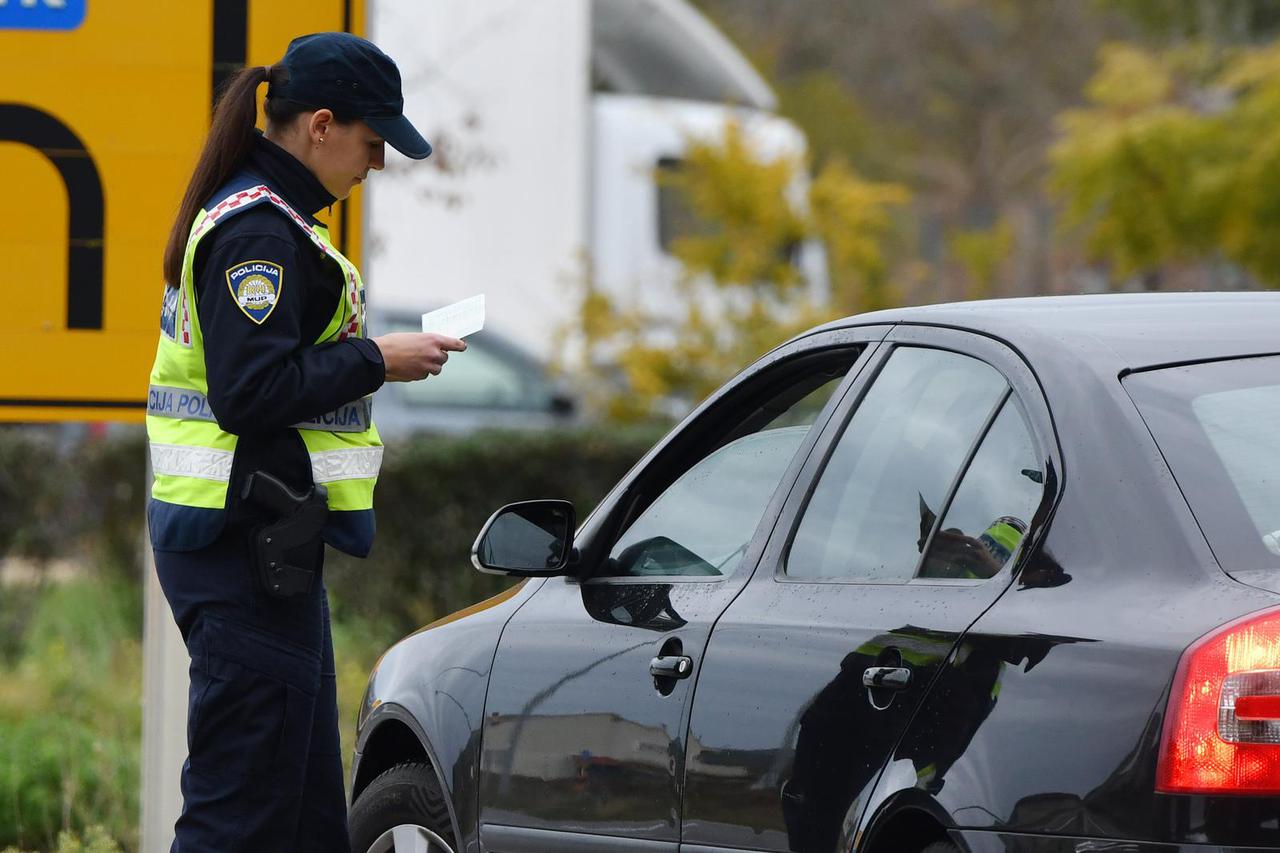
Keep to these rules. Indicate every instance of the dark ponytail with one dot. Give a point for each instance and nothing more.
(225, 149)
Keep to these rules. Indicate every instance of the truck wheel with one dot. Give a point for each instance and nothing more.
(402, 811)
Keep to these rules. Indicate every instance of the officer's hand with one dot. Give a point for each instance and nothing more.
(416, 355)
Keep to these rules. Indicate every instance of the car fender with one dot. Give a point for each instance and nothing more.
(389, 713)
(433, 684)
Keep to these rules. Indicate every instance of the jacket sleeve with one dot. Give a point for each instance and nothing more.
(262, 375)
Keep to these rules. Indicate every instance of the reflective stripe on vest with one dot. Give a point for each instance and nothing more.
(191, 455)
(327, 466)
(203, 463)
(356, 463)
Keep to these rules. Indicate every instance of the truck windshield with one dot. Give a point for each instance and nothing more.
(1218, 425)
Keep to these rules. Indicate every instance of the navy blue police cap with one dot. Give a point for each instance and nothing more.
(355, 79)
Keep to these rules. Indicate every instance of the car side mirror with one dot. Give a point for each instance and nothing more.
(527, 539)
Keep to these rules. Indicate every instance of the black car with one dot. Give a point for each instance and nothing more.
(988, 576)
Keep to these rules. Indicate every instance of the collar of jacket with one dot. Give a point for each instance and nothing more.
(285, 174)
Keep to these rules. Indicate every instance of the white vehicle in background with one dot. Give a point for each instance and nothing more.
(550, 120)
(494, 384)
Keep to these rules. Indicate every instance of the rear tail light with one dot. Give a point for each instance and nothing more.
(1222, 727)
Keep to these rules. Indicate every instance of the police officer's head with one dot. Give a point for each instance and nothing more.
(334, 99)
(332, 102)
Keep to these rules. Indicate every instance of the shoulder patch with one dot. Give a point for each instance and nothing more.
(255, 286)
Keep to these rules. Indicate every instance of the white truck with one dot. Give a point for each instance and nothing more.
(549, 120)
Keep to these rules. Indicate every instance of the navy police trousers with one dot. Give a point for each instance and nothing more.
(264, 767)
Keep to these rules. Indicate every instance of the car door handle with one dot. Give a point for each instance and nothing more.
(671, 666)
(886, 677)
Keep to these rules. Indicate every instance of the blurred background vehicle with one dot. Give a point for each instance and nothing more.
(497, 385)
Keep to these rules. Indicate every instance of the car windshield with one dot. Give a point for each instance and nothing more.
(1218, 425)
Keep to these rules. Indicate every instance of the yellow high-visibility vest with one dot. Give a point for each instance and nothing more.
(191, 454)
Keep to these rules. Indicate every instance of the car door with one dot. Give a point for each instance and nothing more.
(903, 528)
(583, 733)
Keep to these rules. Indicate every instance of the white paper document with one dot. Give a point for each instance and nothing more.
(457, 320)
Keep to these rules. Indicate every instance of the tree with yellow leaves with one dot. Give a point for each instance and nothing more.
(1176, 161)
(742, 291)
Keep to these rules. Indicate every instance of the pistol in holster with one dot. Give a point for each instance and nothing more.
(301, 518)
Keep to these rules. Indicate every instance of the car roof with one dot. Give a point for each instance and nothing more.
(1114, 331)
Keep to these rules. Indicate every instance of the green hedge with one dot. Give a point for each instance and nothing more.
(434, 494)
(70, 501)
(70, 653)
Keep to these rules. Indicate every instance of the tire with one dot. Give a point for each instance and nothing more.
(402, 810)
(941, 847)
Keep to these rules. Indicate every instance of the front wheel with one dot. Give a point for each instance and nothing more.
(402, 811)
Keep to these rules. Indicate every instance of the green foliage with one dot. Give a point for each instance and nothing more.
(742, 198)
(95, 840)
(1176, 160)
(982, 252)
(70, 727)
(110, 477)
(85, 502)
(357, 645)
(434, 495)
(30, 499)
(70, 653)
(17, 606)
(1214, 19)
(742, 291)
(852, 216)
(70, 720)
(835, 123)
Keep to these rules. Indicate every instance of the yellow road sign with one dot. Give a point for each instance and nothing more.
(100, 125)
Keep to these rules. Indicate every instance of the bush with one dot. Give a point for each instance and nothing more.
(87, 504)
(95, 840)
(70, 656)
(70, 719)
(85, 501)
(31, 494)
(435, 494)
(70, 729)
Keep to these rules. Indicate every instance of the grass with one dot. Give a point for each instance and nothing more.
(71, 719)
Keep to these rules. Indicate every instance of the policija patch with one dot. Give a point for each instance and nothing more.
(255, 286)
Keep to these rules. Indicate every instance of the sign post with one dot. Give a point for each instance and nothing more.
(103, 109)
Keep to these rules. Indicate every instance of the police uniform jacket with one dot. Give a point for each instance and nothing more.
(265, 376)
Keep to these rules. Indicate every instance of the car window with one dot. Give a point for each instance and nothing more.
(899, 454)
(1216, 426)
(992, 508)
(702, 523)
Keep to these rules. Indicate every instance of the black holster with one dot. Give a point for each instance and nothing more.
(301, 518)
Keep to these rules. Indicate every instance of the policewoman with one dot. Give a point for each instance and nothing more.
(262, 440)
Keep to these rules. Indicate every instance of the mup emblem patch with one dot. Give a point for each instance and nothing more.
(255, 285)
